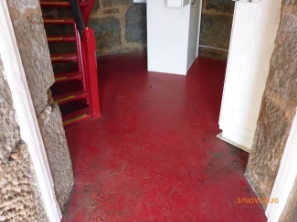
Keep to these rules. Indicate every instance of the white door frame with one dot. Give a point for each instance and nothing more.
(199, 28)
(15, 76)
(288, 169)
(30, 132)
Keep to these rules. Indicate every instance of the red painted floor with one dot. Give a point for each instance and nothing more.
(154, 155)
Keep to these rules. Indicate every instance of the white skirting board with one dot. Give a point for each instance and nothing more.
(233, 143)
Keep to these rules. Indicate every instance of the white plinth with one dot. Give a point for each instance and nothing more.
(173, 36)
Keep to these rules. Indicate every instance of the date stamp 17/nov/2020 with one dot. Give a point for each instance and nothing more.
(256, 200)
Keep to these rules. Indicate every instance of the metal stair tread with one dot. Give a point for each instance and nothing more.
(71, 96)
(77, 116)
(67, 76)
(58, 38)
(64, 57)
(61, 4)
(62, 21)
(76, 103)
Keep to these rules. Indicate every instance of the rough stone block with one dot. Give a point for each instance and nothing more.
(55, 143)
(110, 3)
(128, 50)
(107, 31)
(221, 5)
(216, 30)
(273, 128)
(9, 131)
(283, 79)
(277, 112)
(22, 5)
(96, 6)
(20, 198)
(136, 24)
(33, 47)
(287, 32)
(18, 188)
(111, 11)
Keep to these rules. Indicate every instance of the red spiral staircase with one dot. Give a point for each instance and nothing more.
(76, 91)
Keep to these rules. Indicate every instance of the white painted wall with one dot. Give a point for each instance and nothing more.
(194, 32)
(254, 30)
(170, 34)
(177, 3)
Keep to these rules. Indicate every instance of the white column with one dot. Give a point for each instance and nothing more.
(173, 34)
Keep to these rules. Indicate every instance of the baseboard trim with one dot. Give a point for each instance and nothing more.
(220, 136)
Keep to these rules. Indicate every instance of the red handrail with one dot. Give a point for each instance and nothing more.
(90, 64)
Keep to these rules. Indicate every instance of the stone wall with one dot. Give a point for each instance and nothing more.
(20, 198)
(216, 25)
(31, 39)
(120, 26)
(278, 106)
